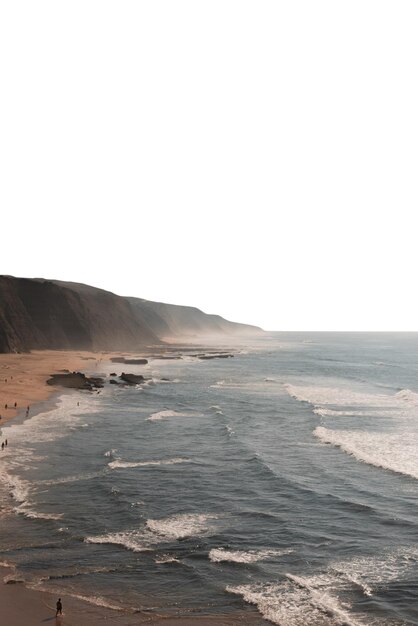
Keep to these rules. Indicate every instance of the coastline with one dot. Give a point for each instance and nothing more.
(18, 602)
(26, 376)
(23, 377)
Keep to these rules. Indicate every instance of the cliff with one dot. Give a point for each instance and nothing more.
(172, 320)
(41, 314)
(48, 314)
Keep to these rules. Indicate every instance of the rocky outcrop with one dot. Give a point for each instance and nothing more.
(132, 379)
(75, 380)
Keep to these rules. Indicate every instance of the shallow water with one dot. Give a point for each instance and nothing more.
(284, 478)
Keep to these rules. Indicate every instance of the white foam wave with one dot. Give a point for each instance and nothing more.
(111, 452)
(157, 532)
(218, 555)
(181, 526)
(17, 487)
(406, 395)
(332, 413)
(132, 540)
(395, 451)
(50, 425)
(368, 572)
(296, 602)
(339, 396)
(161, 415)
(166, 559)
(31, 514)
(71, 479)
(118, 464)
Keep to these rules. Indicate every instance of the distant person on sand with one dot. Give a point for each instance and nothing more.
(59, 608)
(2, 445)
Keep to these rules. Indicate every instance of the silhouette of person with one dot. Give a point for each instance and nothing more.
(59, 607)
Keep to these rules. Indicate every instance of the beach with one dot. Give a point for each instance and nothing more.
(275, 484)
(24, 607)
(23, 376)
(23, 381)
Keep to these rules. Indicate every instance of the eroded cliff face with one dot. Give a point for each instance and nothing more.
(39, 314)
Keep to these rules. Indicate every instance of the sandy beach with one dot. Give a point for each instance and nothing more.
(23, 377)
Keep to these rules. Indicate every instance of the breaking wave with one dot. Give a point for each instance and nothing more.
(218, 555)
(392, 451)
(118, 464)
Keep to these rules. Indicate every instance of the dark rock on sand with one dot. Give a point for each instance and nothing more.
(113, 374)
(122, 359)
(75, 380)
(113, 382)
(215, 356)
(132, 379)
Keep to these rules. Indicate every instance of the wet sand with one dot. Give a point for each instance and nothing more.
(20, 606)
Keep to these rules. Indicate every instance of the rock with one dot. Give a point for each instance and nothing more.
(113, 382)
(75, 380)
(113, 374)
(215, 356)
(122, 359)
(132, 379)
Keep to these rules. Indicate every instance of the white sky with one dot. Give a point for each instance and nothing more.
(257, 159)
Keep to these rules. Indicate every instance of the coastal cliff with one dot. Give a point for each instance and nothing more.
(39, 314)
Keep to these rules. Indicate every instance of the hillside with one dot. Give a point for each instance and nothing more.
(49, 314)
(40, 314)
(171, 320)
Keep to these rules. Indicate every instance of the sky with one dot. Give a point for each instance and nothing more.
(256, 159)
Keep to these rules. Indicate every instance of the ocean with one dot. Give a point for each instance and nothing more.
(284, 479)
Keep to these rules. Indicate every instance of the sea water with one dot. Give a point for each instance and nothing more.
(285, 479)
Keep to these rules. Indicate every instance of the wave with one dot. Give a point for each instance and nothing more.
(71, 479)
(219, 555)
(158, 531)
(51, 425)
(165, 559)
(181, 526)
(297, 601)
(111, 453)
(133, 540)
(325, 598)
(392, 451)
(332, 413)
(118, 464)
(31, 514)
(96, 600)
(161, 415)
(318, 395)
(406, 395)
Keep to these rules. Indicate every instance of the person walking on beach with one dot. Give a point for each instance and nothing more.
(59, 608)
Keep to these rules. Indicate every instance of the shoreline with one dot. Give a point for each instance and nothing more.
(23, 377)
(18, 601)
(26, 384)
